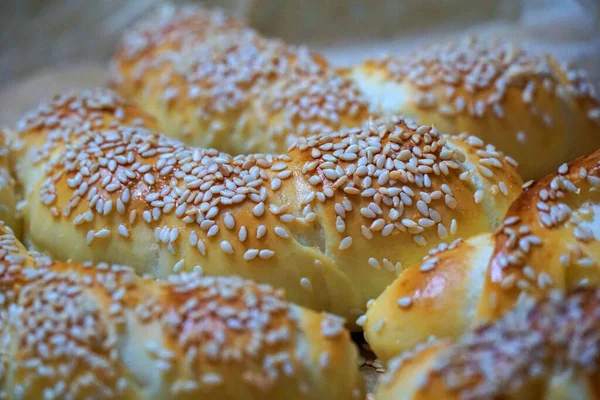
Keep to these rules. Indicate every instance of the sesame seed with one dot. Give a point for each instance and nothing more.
(251, 254)
(361, 320)
(404, 302)
(261, 231)
(178, 267)
(374, 263)
(123, 231)
(345, 243)
(266, 254)
(259, 209)
(478, 196)
(242, 234)
(102, 233)
(453, 227)
(563, 169)
(226, 247)
(420, 240)
(281, 232)
(229, 221)
(306, 284)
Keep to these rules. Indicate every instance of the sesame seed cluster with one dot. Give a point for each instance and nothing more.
(555, 221)
(558, 337)
(477, 74)
(220, 84)
(100, 331)
(113, 182)
(548, 240)
(509, 96)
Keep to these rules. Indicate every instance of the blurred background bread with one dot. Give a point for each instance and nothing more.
(44, 37)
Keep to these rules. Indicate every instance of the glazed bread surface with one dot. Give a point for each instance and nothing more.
(80, 331)
(528, 105)
(539, 351)
(332, 222)
(549, 240)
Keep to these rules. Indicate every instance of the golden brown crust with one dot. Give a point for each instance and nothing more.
(44, 131)
(231, 89)
(433, 299)
(537, 351)
(75, 331)
(540, 113)
(313, 221)
(549, 239)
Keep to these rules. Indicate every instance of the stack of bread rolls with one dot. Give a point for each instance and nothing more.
(224, 168)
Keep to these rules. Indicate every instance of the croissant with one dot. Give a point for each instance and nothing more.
(81, 331)
(213, 82)
(547, 350)
(530, 106)
(549, 239)
(332, 222)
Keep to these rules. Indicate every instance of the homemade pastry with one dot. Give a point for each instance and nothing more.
(529, 106)
(332, 222)
(211, 82)
(550, 239)
(81, 331)
(547, 350)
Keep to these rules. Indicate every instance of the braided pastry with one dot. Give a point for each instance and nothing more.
(547, 350)
(550, 239)
(332, 221)
(81, 331)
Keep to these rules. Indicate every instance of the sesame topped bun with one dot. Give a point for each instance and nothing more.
(529, 106)
(333, 221)
(212, 82)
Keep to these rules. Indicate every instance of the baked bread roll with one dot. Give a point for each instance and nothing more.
(544, 351)
(332, 222)
(527, 105)
(211, 82)
(80, 331)
(8, 200)
(69, 119)
(550, 239)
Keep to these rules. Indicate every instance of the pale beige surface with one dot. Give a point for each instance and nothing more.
(69, 31)
(23, 94)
